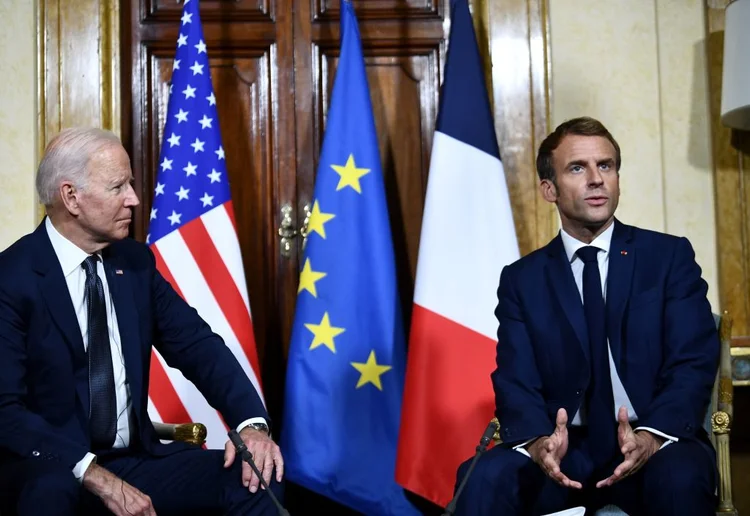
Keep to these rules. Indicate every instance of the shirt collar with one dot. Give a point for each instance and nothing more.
(69, 255)
(572, 244)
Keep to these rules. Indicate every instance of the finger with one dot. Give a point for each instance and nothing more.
(254, 480)
(279, 461)
(267, 470)
(628, 447)
(228, 454)
(247, 475)
(622, 416)
(562, 420)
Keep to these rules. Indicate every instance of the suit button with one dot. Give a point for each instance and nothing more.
(689, 427)
(35, 453)
(579, 392)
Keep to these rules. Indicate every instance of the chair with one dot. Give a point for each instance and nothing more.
(718, 422)
(193, 433)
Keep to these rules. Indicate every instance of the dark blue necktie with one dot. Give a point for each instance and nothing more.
(600, 399)
(102, 400)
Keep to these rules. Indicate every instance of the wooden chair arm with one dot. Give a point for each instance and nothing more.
(192, 433)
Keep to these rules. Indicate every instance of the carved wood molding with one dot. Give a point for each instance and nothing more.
(731, 157)
(78, 70)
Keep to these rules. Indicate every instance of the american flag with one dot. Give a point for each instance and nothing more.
(192, 231)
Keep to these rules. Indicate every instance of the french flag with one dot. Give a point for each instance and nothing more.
(467, 238)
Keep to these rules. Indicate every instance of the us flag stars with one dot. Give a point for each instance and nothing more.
(192, 176)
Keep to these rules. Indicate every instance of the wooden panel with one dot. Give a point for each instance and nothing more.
(78, 74)
(242, 85)
(404, 94)
(519, 46)
(211, 10)
(379, 9)
(731, 151)
(252, 69)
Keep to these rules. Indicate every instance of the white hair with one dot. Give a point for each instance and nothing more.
(66, 158)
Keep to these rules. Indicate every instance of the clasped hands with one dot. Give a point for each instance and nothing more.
(636, 447)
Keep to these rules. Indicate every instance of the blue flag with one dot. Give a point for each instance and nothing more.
(347, 356)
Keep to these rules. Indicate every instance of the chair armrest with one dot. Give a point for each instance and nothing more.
(721, 419)
(192, 433)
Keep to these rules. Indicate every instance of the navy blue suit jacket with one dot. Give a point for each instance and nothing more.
(44, 395)
(660, 328)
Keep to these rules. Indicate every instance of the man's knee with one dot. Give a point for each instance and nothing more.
(687, 476)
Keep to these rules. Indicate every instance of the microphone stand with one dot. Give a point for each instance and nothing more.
(481, 448)
(239, 445)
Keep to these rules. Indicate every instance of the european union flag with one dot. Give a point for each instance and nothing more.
(347, 356)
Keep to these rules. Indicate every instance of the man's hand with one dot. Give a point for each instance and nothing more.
(637, 447)
(266, 454)
(118, 496)
(548, 452)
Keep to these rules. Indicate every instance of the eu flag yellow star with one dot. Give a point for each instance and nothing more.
(317, 220)
(350, 174)
(324, 333)
(370, 371)
(308, 277)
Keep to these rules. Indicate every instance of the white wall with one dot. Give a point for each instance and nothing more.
(18, 116)
(639, 66)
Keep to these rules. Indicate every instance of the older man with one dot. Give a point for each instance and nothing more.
(81, 306)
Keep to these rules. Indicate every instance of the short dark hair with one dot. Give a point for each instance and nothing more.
(581, 126)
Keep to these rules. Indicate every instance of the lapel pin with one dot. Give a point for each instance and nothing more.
(624, 253)
(118, 271)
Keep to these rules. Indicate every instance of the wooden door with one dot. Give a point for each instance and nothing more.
(250, 48)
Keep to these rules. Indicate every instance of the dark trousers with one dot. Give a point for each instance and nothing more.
(679, 479)
(188, 482)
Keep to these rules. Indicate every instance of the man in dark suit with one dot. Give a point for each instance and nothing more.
(81, 305)
(607, 352)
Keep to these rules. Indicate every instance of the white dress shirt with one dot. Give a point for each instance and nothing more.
(603, 241)
(71, 258)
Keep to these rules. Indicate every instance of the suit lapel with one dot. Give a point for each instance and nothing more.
(619, 278)
(560, 275)
(56, 296)
(120, 288)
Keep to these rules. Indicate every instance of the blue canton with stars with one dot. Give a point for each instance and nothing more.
(192, 177)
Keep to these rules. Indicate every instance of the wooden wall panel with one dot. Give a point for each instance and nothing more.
(731, 157)
(78, 67)
(519, 47)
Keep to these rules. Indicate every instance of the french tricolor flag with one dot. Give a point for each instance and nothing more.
(467, 238)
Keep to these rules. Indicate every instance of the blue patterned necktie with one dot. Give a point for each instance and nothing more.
(600, 399)
(102, 400)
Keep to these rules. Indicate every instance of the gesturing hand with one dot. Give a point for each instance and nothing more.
(548, 452)
(637, 447)
(118, 496)
(266, 454)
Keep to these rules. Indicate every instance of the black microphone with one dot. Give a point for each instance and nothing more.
(248, 457)
(483, 443)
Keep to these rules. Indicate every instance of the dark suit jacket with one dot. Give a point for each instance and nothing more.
(660, 328)
(44, 395)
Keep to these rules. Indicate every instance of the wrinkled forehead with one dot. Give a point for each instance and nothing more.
(588, 149)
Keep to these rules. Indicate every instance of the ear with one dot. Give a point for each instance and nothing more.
(70, 196)
(548, 190)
